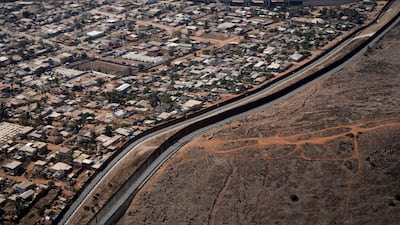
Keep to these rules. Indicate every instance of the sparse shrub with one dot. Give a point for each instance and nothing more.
(294, 198)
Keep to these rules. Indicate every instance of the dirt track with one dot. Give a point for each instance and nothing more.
(329, 155)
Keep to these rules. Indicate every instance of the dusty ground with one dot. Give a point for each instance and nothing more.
(105, 67)
(329, 155)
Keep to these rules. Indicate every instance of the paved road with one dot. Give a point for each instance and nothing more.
(157, 163)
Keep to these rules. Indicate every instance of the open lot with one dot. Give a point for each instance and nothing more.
(104, 67)
(329, 155)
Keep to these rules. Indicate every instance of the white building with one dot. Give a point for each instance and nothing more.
(95, 34)
(143, 58)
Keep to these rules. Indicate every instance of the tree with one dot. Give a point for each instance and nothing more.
(77, 23)
(84, 55)
(294, 198)
(93, 137)
(154, 99)
(3, 112)
(317, 42)
(141, 67)
(129, 71)
(100, 82)
(26, 14)
(108, 131)
(166, 99)
(206, 26)
(171, 51)
(177, 34)
(130, 27)
(24, 118)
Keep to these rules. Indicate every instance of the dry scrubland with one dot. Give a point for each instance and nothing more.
(329, 155)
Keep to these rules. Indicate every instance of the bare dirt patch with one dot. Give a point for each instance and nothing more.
(104, 67)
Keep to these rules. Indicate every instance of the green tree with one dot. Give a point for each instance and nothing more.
(3, 112)
(24, 118)
(93, 137)
(141, 67)
(100, 82)
(177, 34)
(171, 51)
(154, 99)
(108, 131)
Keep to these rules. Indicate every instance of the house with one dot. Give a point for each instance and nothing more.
(68, 73)
(60, 169)
(297, 57)
(123, 131)
(4, 61)
(40, 146)
(149, 123)
(35, 136)
(120, 113)
(123, 87)
(78, 161)
(259, 65)
(112, 140)
(192, 105)
(27, 195)
(3, 201)
(270, 50)
(24, 186)
(94, 34)
(55, 139)
(273, 66)
(13, 168)
(64, 154)
(64, 57)
(40, 164)
(226, 26)
(87, 164)
(29, 149)
(164, 116)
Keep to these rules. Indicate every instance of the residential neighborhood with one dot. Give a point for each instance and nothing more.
(80, 78)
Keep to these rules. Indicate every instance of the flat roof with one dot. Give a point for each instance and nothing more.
(40, 163)
(95, 33)
(191, 103)
(8, 131)
(143, 58)
(61, 166)
(12, 165)
(68, 73)
(123, 87)
(27, 194)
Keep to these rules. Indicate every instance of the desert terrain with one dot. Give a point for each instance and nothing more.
(328, 155)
